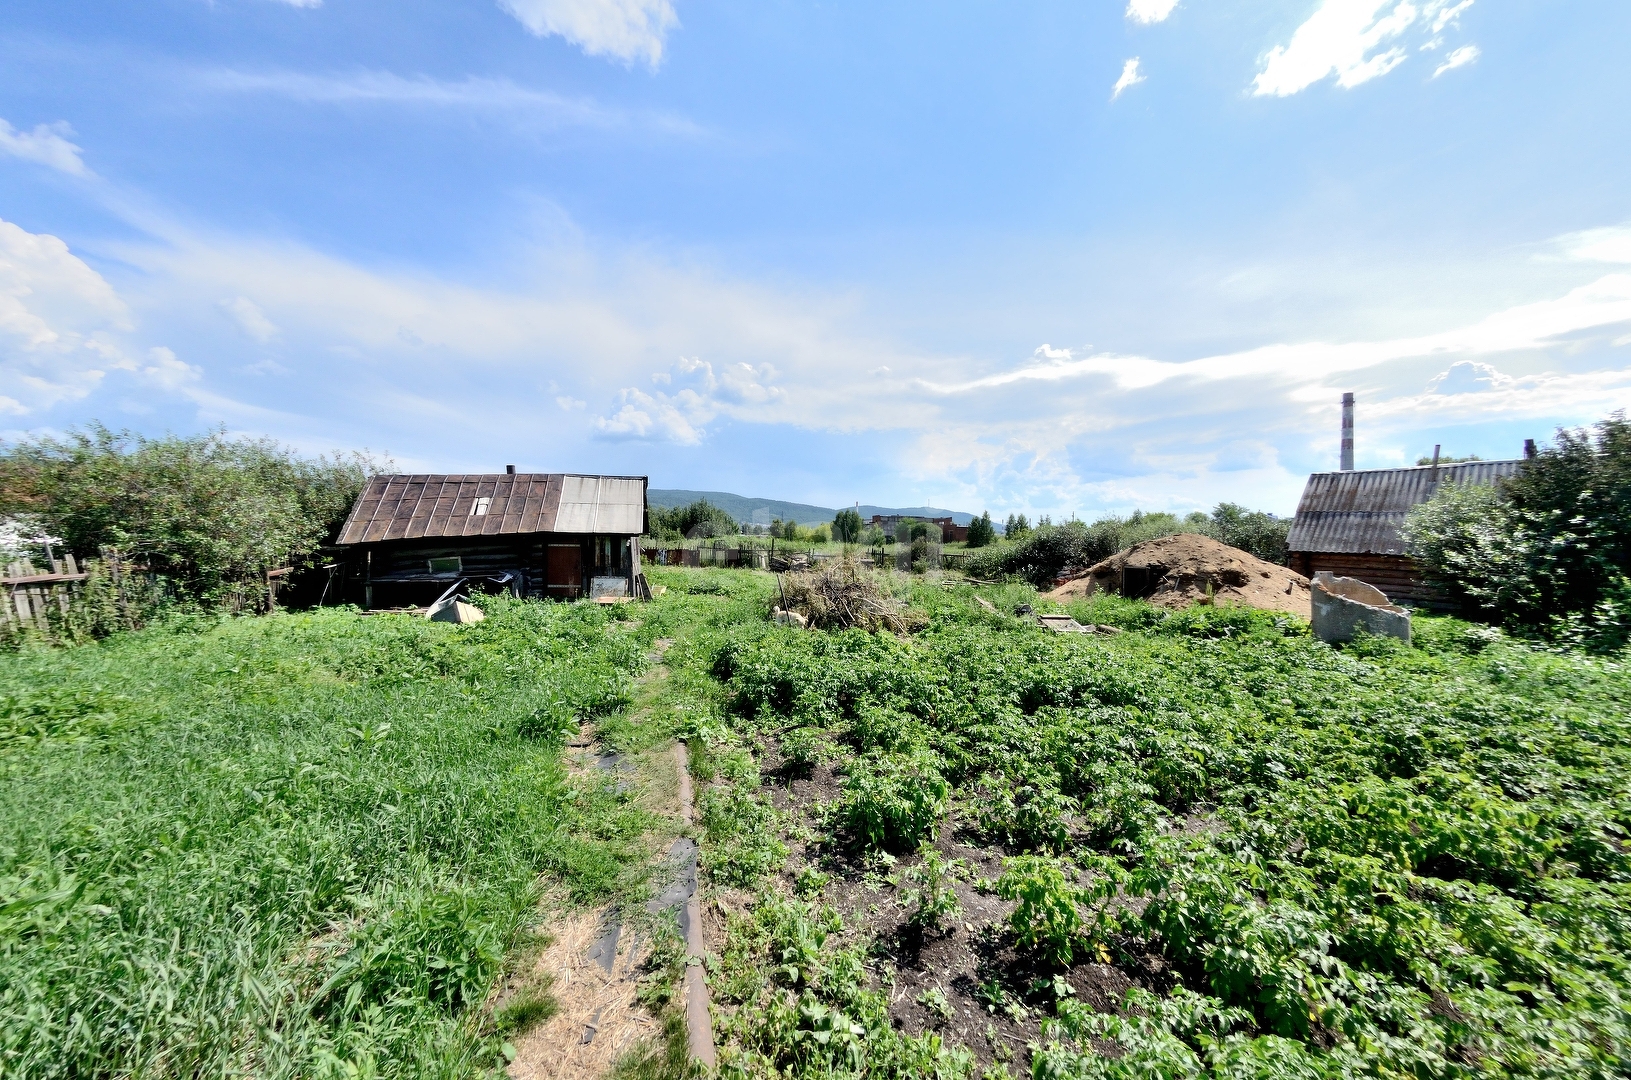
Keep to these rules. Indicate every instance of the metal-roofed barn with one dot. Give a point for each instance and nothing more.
(563, 535)
(1348, 522)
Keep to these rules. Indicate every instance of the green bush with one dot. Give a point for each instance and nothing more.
(892, 801)
(210, 513)
(1545, 551)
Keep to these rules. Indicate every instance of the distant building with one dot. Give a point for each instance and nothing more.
(950, 532)
(1348, 522)
(409, 538)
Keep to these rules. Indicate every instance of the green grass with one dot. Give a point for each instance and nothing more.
(305, 845)
(1372, 861)
(298, 845)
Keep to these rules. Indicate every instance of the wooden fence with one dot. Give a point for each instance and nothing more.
(62, 602)
(31, 593)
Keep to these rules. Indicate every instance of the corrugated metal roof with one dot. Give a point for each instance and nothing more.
(1360, 511)
(495, 504)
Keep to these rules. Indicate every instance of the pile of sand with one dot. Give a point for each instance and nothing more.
(1174, 572)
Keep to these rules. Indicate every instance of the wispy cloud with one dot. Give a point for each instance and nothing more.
(1150, 11)
(303, 3)
(628, 30)
(250, 318)
(47, 144)
(1129, 77)
(468, 93)
(1605, 302)
(1611, 244)
(1460, 58)
(1355, 40)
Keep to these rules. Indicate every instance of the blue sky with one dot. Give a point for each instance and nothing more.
(1055, 258)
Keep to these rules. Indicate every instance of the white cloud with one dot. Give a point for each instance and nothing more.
(1460, 58)
(1150, 11)
(1611, 244)
(303, 3)
(250, 318)
(1356, 40)
(629, 30)
(472, 92)
(1448, 14)
(571, 404)
(1129, 77)
(1468, 377)
(1603, 303)
(59, 322)
(738, 389)
(47, 144)
(1342, 37)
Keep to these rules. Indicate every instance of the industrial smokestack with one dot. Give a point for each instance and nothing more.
(1529, 448)
(1347, 432)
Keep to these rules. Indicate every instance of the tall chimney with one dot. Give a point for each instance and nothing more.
(1347, 432)
(509, 470)
(1529, 448)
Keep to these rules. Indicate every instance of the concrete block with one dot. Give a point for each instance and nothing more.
(1342, 605)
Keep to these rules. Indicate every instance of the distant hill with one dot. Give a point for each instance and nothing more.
(764, 511)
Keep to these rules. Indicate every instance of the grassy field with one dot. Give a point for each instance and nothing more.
(313, 845)
(299, 845)
(1206, 846)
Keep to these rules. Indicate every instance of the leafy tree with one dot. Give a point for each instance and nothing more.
(210, 513)
(1548, 549)
(699, 519)
(981, 532)
(1252, 531)
(846, 526)
(1016, 526)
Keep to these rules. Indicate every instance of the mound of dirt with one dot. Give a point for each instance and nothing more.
(1175, 571)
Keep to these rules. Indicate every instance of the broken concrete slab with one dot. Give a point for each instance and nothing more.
(1342, 606)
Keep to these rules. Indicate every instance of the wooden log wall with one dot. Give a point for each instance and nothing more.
(1396, 575)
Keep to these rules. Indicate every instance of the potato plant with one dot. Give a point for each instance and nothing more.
(1377, 860)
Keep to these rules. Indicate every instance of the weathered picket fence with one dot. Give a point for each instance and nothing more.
(61, 600)
(31, 593)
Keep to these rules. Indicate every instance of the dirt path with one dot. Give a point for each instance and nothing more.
(593, 963)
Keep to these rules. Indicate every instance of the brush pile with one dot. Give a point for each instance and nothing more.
(839, 594)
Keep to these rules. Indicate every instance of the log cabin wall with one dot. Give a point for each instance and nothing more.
(1396, 575)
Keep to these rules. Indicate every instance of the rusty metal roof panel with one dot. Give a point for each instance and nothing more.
(431, 506)
(1360, 512)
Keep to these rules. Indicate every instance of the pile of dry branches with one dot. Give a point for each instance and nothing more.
(839, 594)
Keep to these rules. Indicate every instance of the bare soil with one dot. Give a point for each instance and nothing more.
(997, 995)
(1175, 571)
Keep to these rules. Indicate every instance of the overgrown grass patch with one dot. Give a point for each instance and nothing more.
(297, 845)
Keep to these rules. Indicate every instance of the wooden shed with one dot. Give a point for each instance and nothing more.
(1348, 523)
(410, 538)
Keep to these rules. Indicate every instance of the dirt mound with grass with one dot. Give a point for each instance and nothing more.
(1176, 571)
